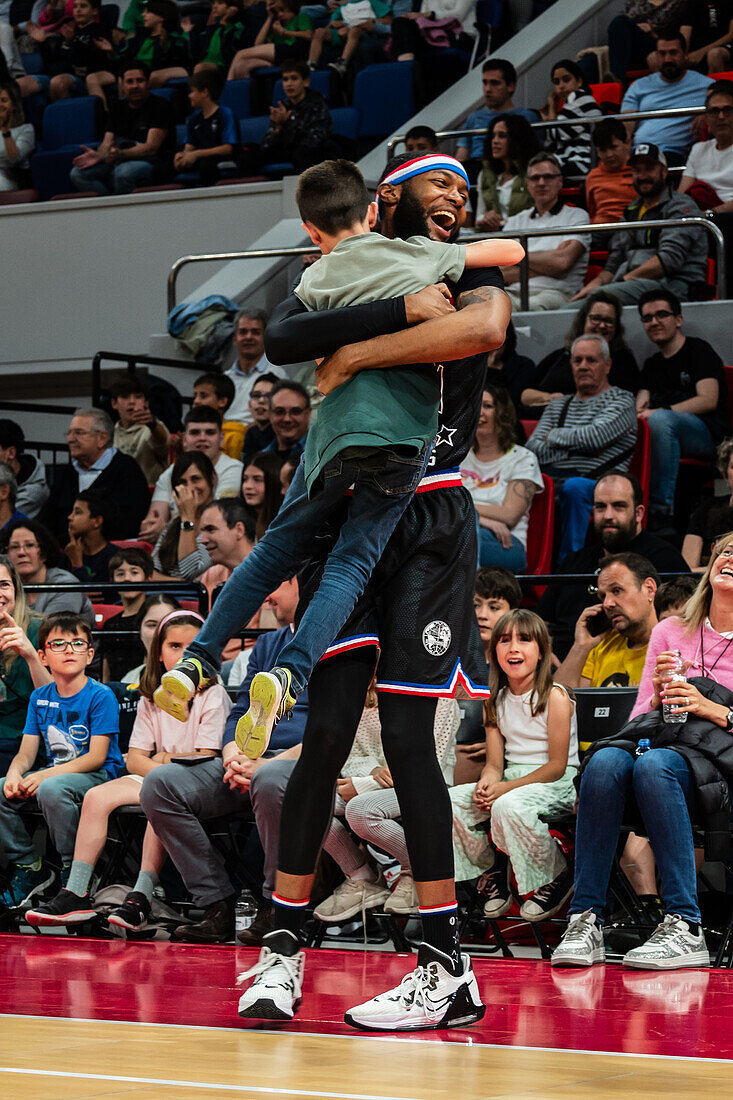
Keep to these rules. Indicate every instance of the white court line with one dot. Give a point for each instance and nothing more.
(358, 1035)
(271, 1091)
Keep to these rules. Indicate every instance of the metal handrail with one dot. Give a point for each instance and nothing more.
(603, 227)
(134, 360)
(195, 588)
(628, 116)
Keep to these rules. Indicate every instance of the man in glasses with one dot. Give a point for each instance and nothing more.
(642, 260)
(290, 411)
(556, 264)
(683, 397)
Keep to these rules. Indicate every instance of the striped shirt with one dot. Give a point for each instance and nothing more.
(598, 433)
(572, 144)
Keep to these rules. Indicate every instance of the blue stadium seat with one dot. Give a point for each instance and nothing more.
(320, 82)
(109, 15)
(236, 96)
(50, 172)
(32, 63)
(384, 97)
(181, 135)
(253, 129)
(70, 122)
(345, 122)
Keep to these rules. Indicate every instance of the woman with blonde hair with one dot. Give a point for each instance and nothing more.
(20, 667)
(688, 770)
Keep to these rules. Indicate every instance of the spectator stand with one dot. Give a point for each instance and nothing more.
(166, 396)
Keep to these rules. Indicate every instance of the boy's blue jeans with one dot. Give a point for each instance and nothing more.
(665, 793)
(383, 487)
(59, 799)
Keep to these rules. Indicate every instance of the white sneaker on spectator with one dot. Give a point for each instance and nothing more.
(351, 897)
(672, 946)
(582, 943)
(278, 982)
(403, 902)
(430, 997)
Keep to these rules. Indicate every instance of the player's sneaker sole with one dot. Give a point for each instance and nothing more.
(462, 1012)
(47, 920)
(174, 695)
(254, 728)
(265, 1009)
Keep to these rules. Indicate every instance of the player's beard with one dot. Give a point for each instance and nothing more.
(409, 219)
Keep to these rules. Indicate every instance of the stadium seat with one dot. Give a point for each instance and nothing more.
(50, 171)
(75, 195)
(14, 198)
(607, 93)
(70, 123)
(252, 130)
(320, 82)
(104, 611)
(346, 122)
(641, 462)
(384, 98)
(32, 63)
(530, 425)
(722, 76)
(132, 544)
(541, 529)
(237, 96)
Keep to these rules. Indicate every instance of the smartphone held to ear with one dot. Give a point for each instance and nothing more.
(598, 624)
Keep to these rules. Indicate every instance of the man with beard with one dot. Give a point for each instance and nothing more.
(673, 86)
(614, 657)
(417, 608)
(618, 515)
(673, 259)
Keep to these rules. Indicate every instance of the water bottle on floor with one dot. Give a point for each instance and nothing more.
(245, 911)
(676, 676)
(643, 746)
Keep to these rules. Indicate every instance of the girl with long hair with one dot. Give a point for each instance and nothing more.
(156, 739)
(531, 762)
(570, 99)
(262, 489)
(502, 186)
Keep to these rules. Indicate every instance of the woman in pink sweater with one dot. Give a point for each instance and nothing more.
(661, 781)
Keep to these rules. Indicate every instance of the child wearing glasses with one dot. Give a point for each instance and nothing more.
(156, 739)
(75, 721)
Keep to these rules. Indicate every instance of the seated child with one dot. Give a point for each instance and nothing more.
(608, 186)
(213, 46)
(285, 34)
(531, 762)
(218, 392)
(137, 432)
(121, 652)
(77, 57)
(159, 45)
(76, 721)
(212, 134)
(155, 740)
(374, 433)
(348, 22)
(88, 551)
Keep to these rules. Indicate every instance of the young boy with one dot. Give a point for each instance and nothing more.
(259, 433)
(608, 187)
(76, 721)
(88, 550)
(374, 433)
(348, 22)
(137, 433)
(76, 59)
(212, 134)
(126, 651)
(213, 47)
(218, 392)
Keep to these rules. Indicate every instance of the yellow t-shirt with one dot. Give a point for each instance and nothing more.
(613, 664)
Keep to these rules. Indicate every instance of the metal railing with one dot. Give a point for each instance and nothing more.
(132, 361)
(183, 589)
(628, 116)
(523, 238)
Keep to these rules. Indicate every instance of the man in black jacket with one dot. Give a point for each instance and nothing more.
(618, 514)
(94, 461)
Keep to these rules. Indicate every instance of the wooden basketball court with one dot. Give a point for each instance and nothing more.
(89, 1018)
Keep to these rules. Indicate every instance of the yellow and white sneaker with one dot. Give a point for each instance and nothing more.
(270, 699)
(179, 686)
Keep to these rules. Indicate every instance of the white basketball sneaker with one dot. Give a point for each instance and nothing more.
(278, 982)
(430, 997)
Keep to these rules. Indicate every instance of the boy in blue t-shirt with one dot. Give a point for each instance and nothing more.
(211, 131)
(76, 721)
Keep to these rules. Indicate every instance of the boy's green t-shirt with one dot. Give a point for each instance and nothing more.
(299, 22)
(379, 7)
(380, 408)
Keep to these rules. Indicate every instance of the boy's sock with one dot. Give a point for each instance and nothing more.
(145, 883)
(80, 876)
(288, 914)
(440, 930)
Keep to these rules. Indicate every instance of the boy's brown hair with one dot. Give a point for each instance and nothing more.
(332, 196)
(66, 622)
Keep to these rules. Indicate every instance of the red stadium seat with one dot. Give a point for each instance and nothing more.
(130, 544)
(729, 382)
(607, 93)
(641, 462)
(13, 198)
(529, 425)
(541, 529)
(721, 76)
(104, 611)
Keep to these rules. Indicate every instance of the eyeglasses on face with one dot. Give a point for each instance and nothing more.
(659, 315)
(60, 645)
(719, 112)
(599, 319)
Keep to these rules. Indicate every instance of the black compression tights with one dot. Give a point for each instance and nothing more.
(336, 694)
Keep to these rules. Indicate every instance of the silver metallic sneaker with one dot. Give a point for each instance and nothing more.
(670, 947)
(582, 944)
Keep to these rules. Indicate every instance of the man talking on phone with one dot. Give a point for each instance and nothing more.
(611, 636)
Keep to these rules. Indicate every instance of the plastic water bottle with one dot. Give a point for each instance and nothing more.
(643, 746)
(245, 911)
(676, 676)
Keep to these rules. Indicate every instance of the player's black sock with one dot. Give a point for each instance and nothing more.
(440, 930)
(287, 915)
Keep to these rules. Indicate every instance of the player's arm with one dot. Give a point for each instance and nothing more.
(496, 252)
(294, 333)
(479, 325)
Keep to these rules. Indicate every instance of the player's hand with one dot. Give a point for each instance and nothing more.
(333, 371)
(432, 301)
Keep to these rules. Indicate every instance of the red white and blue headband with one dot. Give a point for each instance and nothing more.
(430, 163)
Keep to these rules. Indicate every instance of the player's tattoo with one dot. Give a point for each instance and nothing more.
(481, 295)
